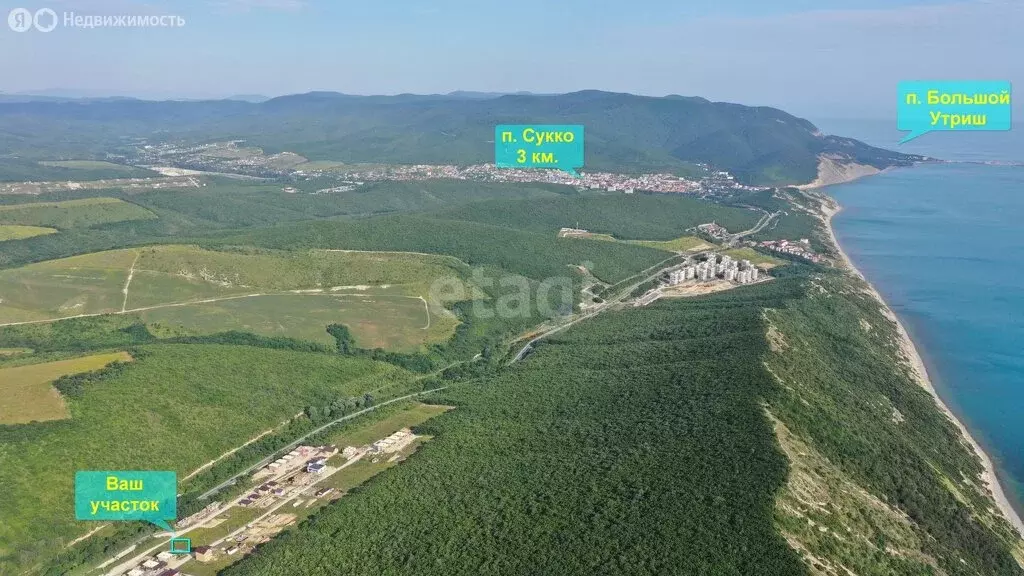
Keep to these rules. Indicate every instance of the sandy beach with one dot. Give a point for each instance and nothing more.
(910, 352)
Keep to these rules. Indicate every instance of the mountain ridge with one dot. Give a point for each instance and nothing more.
(624, 132)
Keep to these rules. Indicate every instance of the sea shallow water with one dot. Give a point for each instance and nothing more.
(944, 245)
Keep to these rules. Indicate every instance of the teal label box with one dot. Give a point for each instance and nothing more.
(924, 106)
(121, 495)
(557, 146)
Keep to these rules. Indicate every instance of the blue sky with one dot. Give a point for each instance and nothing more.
(812, 57)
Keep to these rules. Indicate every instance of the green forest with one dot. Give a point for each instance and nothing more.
(656, 417)
(632, 444)
(846, 365)
(530, 254)
(683, 437)
(172, 408)
(224, 209)
(640, 216)
(625, 132)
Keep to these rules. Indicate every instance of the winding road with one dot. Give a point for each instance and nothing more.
(761, 224)
(217, 299)
(606, 305)
(290, 447)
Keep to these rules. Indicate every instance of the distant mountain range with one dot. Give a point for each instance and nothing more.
(624, 132)
(62, 94)
(59, 95)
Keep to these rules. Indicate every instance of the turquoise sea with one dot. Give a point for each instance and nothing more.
(944, 245)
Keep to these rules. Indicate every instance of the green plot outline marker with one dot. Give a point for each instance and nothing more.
(181, 550)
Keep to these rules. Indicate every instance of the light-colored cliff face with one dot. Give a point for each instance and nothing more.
(834, 169)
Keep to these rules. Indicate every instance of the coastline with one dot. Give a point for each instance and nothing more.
(909, 350)
(831, 172)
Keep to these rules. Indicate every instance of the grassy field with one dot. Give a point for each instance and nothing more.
(186, 290)
(173, 408)
(681, 244)
(412, 416)
(754, 256)
(87, 284)
(15, 232)
(214, 273)
(81, 213)
(237, 518)
(28, 395)
(89, 165)
(377, 319)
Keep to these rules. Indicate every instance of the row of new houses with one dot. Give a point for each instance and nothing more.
(742, 272)
(800, 249)
(393, 443)
(155, 566)
(294, 458)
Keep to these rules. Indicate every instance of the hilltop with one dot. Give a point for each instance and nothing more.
(625, 132)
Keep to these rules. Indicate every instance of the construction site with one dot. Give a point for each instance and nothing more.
(282, 492)
(706, 273)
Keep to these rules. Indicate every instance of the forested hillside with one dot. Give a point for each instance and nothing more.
(624, 132)
(633, 444)
(531, 254)
(846, 390)
(226, 205)
(627, 446)
(635, 216)
(172, 408)
(768, 429)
